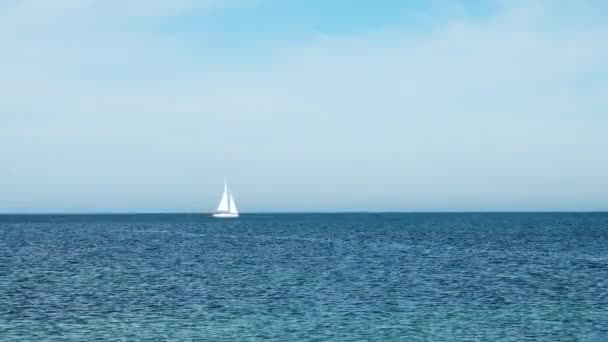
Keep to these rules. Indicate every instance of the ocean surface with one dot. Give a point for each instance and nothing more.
(305, 277)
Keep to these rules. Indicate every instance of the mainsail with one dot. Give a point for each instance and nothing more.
(223, 207)
(227, 206)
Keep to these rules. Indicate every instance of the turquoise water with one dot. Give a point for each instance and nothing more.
(342, 277)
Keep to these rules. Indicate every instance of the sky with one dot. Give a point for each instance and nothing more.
(304, 105)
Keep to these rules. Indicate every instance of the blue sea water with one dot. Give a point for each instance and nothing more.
(305, 277)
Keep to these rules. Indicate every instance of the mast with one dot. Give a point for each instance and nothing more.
(228, 193)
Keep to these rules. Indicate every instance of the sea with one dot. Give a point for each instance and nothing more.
(305, 277)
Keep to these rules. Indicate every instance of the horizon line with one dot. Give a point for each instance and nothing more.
(311, 212)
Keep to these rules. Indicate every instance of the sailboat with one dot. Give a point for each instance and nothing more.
(227, 207)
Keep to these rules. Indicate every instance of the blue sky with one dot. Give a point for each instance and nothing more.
(440, 105)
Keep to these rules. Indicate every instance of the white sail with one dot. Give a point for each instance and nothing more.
(232, 206)
(227, 207)
(223, 206)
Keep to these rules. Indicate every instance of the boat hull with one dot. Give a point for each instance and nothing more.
(225, 215)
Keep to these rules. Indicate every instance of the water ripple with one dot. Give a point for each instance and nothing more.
(373, 277)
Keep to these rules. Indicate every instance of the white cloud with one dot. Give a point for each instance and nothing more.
(501, 113)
